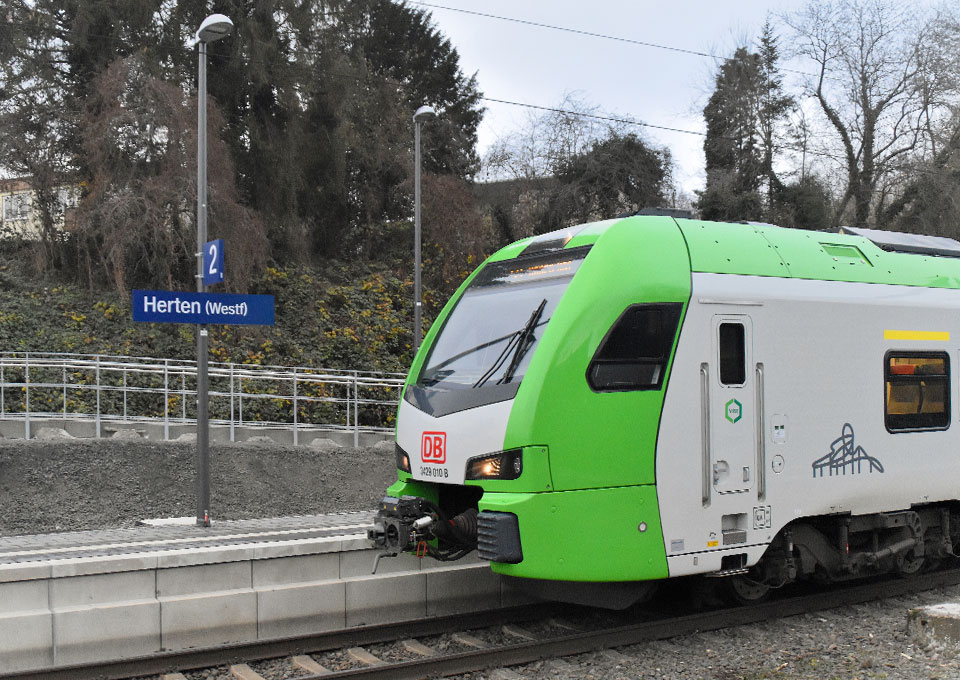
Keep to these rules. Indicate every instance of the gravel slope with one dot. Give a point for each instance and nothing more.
(77, 484)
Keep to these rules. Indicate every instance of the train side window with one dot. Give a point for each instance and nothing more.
(917, 391)
(634, 354)
(733, 354)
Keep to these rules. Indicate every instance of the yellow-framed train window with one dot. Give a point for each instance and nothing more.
(917, 391)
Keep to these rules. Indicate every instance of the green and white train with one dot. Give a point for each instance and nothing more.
(643, 398)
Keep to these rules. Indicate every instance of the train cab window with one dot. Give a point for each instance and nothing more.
(917, 391)
(733, 354)
(634, 354)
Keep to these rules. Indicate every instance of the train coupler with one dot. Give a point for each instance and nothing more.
(415, 525)
(401, 525)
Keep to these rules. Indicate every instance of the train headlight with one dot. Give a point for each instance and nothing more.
(403, 460)
(503, 465)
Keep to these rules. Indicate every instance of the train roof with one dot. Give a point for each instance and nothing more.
(751, 249)
(899, 242)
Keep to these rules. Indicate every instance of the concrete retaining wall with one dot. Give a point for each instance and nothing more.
(63, 612)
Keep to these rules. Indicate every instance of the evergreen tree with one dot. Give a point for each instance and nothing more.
(743, 118)
(619, 174)
(772, 107)
(404, 47)
(804, 203)
(732, 146)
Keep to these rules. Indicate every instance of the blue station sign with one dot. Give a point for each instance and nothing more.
(213, 262)
(164, 306)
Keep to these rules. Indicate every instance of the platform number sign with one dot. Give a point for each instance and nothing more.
(213, 262)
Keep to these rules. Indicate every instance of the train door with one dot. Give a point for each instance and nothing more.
(732, 402)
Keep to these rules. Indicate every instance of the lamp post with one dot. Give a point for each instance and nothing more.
(421, 113)
(213, 28)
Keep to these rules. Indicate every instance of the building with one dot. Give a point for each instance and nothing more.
(20, 219)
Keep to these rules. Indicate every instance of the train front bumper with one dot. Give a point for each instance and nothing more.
(610, 534)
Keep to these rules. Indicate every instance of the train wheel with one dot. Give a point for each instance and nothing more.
(741, 589)
(909, 564)
(932, 564)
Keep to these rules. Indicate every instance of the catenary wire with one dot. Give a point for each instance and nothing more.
(591, 34)
(612, 119)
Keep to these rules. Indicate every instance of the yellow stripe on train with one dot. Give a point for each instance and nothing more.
(941, 336)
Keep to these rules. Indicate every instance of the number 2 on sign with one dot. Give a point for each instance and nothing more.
(213, 262)
(213, 259)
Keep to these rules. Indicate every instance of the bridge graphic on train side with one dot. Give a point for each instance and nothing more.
(846, 458)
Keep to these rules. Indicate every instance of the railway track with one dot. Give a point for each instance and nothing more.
(454, 645)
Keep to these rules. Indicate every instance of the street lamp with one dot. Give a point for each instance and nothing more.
(421, 113)
(213, 28)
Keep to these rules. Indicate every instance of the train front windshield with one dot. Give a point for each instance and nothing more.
(493, 331)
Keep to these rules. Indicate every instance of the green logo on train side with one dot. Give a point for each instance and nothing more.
(733, 411)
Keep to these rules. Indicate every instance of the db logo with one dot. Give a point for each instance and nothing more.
(433, 447)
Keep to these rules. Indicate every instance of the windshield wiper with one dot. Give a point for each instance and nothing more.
(526, 340)
(468, 352)
(500, 359)
(519, 343)
(436, 377)
(433, 375)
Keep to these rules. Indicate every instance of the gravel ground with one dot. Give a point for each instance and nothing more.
(70, 485)
(77, 484)
(861, 641)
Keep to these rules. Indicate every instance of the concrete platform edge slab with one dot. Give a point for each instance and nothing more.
(105, 608)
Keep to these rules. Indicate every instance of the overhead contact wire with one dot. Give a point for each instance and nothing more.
(590, 34)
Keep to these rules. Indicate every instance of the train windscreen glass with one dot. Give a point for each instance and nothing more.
(492, 333)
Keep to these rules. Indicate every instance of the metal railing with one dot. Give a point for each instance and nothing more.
(110, 389)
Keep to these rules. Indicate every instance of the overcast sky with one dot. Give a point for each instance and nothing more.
(535, 65)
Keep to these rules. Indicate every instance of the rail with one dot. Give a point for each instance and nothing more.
(110, 389)
(640, 626)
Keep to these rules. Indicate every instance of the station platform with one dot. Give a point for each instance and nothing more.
(22, 550)
(95, 596)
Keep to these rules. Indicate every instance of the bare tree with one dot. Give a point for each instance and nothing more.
(135, 224)
(456, 235)
(875, 85)
(549, 139)
(530, 165)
